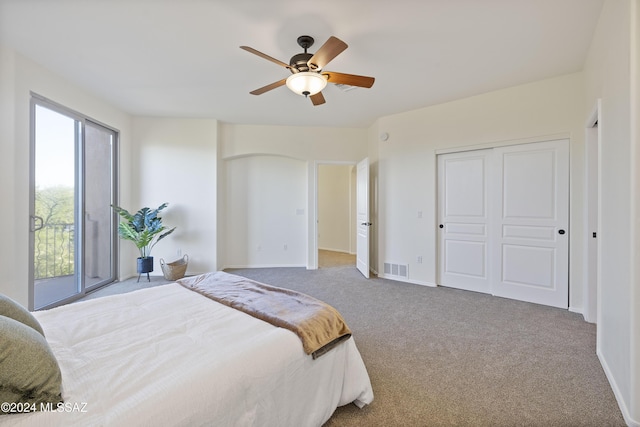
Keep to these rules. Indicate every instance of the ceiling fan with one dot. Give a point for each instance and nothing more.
(307, 76)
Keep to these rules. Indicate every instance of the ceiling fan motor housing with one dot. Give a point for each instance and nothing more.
(299, 62)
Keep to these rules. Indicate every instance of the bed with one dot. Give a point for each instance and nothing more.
(170, 356)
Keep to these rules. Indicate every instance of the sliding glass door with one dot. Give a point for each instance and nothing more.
(72, 190)
(99, 227)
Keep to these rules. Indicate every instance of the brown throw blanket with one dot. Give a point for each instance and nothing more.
(319, 326)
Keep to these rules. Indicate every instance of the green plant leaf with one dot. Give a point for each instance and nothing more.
(143, 228)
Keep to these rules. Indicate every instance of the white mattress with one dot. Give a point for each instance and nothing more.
(167, 356)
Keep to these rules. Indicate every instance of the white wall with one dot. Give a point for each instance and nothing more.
(304, 143)
(265, 210)
(312, 146)
(11, 261)
(608, 77)
(407, 163)
(177, 163)
(19, 76)
(335, 208)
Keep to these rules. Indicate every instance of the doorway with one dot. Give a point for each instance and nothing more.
(336, 215)
(72, 188)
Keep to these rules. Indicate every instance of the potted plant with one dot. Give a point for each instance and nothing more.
(144, 229)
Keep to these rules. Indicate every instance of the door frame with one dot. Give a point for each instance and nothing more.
(592, 143)
(312, 236)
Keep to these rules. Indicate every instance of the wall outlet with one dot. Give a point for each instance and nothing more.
(419, 260)
(285, 247)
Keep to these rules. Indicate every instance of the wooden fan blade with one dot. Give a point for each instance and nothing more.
(267, 88)
(265, 56)
(329, 50)
(317, 99)
(349, 79)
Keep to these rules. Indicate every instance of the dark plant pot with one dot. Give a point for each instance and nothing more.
(145, 265)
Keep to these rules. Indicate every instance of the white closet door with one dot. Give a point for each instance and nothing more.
(463, 200)
(531, 251)
(503, 218)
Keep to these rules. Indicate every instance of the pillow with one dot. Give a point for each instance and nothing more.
(10, 308)
(29, 372)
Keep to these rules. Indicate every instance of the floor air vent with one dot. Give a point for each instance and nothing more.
(399, 270)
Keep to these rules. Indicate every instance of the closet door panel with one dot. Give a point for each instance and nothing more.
(463, 220)
(531, 251)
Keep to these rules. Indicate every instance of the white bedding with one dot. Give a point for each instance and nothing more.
(167, 356)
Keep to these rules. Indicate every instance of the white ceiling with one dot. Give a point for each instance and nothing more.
(181, 58)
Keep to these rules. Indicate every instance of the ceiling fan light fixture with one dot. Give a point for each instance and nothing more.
(306, 83)
(308, 79)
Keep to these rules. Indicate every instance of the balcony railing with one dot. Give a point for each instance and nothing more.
(54, 251)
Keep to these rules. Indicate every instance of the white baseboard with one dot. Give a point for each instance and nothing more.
(414, 282)
(342, 251)
(616, 392)
(263, 266)
(581, 311)
(576, 310)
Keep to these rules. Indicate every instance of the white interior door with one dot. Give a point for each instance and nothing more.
(463, 192)
(362, 217)
(504, 216)
(531, 223)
